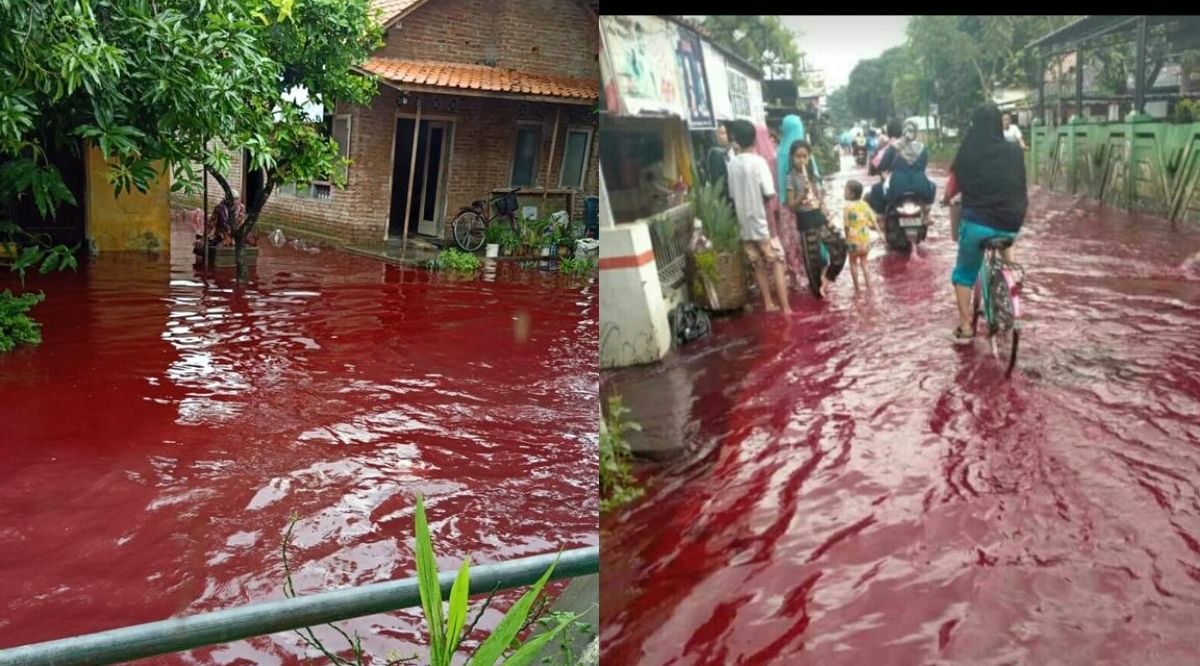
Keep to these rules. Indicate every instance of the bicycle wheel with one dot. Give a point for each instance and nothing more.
(468, 230)
(1004, 336)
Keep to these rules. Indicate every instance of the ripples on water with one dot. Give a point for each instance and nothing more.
(855, 489)
(155, 444)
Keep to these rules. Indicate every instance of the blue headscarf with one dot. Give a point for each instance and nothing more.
(793, 131)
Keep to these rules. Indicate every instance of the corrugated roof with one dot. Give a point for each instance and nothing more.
(480, 77)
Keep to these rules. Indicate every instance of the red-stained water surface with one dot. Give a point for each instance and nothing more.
(154, 445)
(855, 489)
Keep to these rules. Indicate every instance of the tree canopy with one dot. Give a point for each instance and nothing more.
(158, 84)
(956, 62)
(838, 109)
(870, 86)
(762, 40)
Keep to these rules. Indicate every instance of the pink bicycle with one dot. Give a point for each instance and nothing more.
(998, 299)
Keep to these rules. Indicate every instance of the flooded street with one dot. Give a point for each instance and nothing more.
(154, 445)
(854, 488)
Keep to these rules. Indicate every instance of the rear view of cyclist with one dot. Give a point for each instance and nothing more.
(990, 173)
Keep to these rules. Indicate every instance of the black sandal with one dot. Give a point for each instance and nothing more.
(961, 338)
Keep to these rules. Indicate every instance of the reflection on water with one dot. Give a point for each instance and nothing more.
(855, 489)
(155, 444)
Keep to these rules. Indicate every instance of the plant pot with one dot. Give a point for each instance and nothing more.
(546, 250)
(728, 291)
(222, 256)
(493, 250)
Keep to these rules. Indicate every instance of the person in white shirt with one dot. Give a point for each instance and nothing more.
(1012, 133)
(751, 185)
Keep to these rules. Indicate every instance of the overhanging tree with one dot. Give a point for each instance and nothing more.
(314, 44)
(970, 56)
(762, 40)
(158, 85)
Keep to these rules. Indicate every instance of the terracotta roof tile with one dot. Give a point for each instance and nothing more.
(390, 8)
(480, 77)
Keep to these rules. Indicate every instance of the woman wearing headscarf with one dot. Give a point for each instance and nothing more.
(906, 159)
(876, 197)
(780, 227)
(793, 131)
(990, 173)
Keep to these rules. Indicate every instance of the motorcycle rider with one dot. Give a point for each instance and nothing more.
(860, 147)
(905, 159)
(877, 198)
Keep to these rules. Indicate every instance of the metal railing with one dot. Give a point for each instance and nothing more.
(670, 234)
(232, 624)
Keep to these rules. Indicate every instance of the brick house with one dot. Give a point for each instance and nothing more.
(506, 91)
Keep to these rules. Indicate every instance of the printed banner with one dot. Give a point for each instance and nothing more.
(691, 69)
(643, 64)
(718, 82)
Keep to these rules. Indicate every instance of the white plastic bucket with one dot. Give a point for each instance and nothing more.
(493, 250)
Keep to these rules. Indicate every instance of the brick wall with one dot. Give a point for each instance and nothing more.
(484, 139)
(538, 36)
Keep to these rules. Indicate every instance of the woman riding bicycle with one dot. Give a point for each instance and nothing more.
(990, 173)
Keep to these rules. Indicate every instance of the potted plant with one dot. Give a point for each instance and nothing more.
(492, 238)
(720, 270)
(528, 237)
(536, 236)
(509, 242)
(565, 241)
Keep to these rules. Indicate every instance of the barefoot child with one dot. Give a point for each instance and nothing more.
(750, 186)
(858, 219)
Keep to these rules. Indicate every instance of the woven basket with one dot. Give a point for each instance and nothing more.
(729, 291)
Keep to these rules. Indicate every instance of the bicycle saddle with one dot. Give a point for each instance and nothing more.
(995, 243)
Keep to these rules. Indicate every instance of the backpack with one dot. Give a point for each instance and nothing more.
(689, 322)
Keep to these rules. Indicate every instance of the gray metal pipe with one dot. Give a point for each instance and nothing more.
(232, 624)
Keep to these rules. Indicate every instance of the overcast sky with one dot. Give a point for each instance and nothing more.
(836, 43)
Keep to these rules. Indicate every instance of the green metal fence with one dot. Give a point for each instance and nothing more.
(177, 634)
(1143, 166)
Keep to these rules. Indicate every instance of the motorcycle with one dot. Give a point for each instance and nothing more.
(904, 225)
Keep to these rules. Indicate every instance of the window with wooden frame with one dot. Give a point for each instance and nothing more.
(525, 155)
(576, 151)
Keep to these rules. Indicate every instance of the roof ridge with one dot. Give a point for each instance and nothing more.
(480, 77)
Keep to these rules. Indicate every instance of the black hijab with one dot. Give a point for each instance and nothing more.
(991, 173)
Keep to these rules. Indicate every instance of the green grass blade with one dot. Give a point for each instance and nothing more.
(431, 593)
(458, 609)
(494, 646)
(530, 650)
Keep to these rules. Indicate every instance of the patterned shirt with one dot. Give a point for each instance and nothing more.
(798, 183)
(858, 218)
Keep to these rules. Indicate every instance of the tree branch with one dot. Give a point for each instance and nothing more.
(220, 181)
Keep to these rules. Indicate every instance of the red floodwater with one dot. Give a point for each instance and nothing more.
(854, 489)
(154, 445)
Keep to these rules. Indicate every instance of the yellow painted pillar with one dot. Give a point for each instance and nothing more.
(131, 221)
